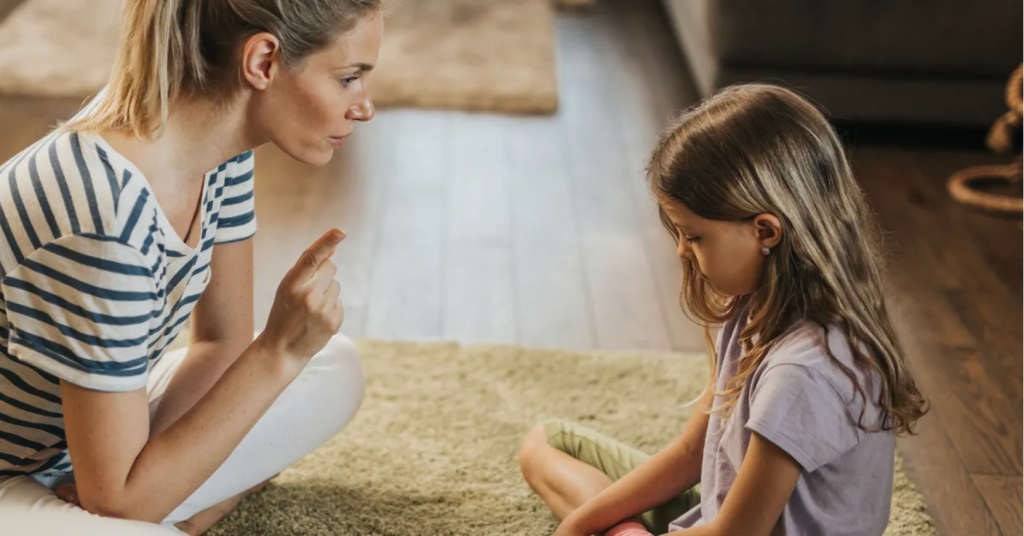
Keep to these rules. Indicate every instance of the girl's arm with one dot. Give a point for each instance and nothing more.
(122, 472)
(654, 482)
(756, 500)
(222, 328)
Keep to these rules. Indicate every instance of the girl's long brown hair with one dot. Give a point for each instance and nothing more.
(756, 149)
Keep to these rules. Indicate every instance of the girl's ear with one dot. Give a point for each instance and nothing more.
(769, 230)
(260, 56)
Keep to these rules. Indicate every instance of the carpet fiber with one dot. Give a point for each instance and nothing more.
(434, 447)
(485, 55)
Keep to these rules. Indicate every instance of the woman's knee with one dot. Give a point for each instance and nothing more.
(341, 365)
(345, 354)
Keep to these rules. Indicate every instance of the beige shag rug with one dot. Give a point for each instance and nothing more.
(434, 447)
(483, 55)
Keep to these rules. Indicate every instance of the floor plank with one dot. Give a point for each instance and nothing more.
(552, 304)
(932, 458)
(619, 273)
(964, 395)
(479, 300)
(637, 38)
(1003, 496)
(974, 423)
(976, 410)
(953, 501)
(407, 286)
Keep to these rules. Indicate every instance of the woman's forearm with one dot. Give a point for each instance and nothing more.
(203, 366)
(176, 461)
(130, 473)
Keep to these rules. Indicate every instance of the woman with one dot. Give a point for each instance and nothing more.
(136, 216)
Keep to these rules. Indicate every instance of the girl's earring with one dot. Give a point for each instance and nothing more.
(765, 251)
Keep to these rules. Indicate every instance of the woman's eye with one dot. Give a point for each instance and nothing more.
(692, 240)
(348, 80)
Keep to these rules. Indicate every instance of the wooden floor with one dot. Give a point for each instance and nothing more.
(540, 231)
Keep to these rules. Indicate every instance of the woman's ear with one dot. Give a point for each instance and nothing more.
(260, 57)
(769, 230)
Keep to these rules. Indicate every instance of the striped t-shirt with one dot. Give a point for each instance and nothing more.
(94, 281)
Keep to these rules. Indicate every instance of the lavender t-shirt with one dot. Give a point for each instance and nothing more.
(801, 401)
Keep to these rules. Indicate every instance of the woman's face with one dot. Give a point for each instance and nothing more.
(309, 110)
(726, 253)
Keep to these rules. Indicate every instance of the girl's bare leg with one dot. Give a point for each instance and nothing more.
(563, 482)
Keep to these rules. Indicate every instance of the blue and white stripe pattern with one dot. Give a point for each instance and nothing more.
(94, 281)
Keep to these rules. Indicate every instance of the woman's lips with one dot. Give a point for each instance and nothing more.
(337, 142)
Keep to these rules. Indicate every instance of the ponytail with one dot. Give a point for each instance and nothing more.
(149, 69)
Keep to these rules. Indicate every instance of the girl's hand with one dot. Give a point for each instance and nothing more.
(306, 311)
(570, 527)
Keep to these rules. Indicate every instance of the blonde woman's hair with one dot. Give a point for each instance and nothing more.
(171, 48)
(761, 149)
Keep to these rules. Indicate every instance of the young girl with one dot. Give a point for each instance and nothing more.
(137, 215)
(808, 388)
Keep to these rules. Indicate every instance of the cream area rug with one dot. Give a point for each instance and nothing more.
(483, 55)
(434, 449)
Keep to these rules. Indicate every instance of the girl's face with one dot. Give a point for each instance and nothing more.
(726, 253)
(308, 111)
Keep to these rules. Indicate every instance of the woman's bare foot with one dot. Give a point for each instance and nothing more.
(197, 524)
(201, 522)
(68, 493)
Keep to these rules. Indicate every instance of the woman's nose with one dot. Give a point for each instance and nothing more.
(362, 111)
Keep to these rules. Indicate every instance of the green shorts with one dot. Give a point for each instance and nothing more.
(615, 460)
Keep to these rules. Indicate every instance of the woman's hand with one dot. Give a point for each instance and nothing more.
(306, 311)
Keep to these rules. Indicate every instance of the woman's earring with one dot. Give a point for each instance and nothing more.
(765, 251)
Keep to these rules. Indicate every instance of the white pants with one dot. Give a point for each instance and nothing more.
(315, 407)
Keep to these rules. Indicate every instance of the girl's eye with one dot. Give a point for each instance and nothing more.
(693, 240)
(348, 80)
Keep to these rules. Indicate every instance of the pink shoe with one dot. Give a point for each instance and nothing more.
(629, 528)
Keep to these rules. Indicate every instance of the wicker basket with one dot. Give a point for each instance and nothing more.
(966, 185)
